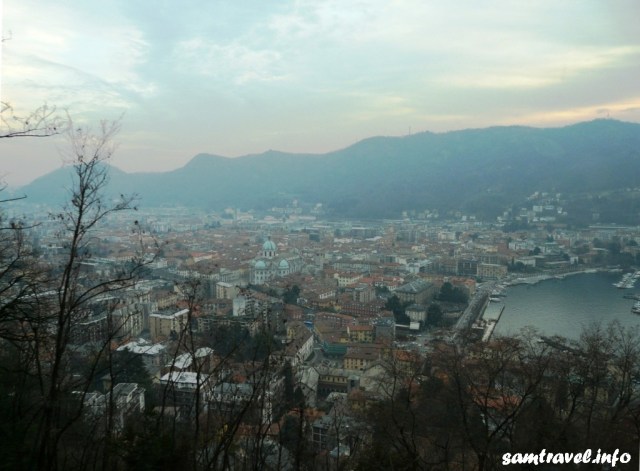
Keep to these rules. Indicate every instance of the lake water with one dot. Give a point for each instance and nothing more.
(564, 306)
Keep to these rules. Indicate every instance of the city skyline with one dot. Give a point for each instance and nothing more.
(307, 76)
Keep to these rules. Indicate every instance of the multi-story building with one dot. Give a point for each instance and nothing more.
(91, 328)
(332, 380)
(226, 290)
(385, 329)
(363, 293)
(418, 291)
(345, 279)
(153, 355)
(335, 432)
(181, 388)
(258, 399)
(357, 309)
(300, 343)
(164, 326)
(467, 267)
(417, 313)
(491, 271)
(270, 265)
(360, 333)
(128, 321)
(127, 401)
(359, 357)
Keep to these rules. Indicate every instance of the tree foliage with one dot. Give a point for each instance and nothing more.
(434, 315)
(291, 294)
(398, 308)
(452, 294)
(513, 394)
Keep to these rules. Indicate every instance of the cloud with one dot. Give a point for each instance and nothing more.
(82, 61)
(241, 77)
(548, 68)
(329, 20)
(628, 109)
(233, 62)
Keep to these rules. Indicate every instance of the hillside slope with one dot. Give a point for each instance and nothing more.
(478, 170)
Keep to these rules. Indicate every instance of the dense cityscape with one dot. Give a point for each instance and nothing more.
(172, 338)
(315, 235)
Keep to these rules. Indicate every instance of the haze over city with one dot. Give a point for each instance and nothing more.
(235, 78)
(368, 235)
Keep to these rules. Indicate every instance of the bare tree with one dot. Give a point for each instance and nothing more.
(44, 121)
(46, 303)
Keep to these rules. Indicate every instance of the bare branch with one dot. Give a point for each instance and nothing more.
(44, 121)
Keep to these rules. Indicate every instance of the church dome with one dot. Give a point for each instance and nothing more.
(269, 245)
(260, 265)
(283, 264)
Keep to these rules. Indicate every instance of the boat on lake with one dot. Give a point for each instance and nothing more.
(628, 280)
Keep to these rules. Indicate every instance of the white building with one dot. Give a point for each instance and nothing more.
(164, 326)
(269, 265)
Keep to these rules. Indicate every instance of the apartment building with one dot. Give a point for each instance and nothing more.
(164, 326)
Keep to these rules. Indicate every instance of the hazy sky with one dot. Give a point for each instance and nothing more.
(244, 76)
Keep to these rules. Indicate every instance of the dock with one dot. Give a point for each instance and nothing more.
(491, 319)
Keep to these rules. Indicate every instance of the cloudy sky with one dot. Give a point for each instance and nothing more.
(244, 76)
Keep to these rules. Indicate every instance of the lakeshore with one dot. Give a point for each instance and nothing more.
(490, 318)
(534, 279)
(558, 304)
(494, 305)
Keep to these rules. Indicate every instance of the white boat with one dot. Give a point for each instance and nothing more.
(628, 281)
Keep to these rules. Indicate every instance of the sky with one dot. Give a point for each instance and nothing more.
(242, 77)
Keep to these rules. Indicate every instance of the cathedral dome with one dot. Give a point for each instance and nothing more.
(283, 265)
(269, 245)
(260, 265)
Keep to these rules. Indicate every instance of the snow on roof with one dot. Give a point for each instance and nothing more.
(143, 347)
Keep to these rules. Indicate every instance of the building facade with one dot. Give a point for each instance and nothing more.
(269, 265)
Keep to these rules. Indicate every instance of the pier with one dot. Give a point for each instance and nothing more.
(481, 314)
(490, 319)
(474, 311)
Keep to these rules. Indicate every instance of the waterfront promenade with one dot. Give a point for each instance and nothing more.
(482, 312)
(474, 311)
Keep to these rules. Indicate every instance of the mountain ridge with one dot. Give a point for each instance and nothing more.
(381, 176)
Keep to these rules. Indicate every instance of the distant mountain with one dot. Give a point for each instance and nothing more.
(478, 171)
